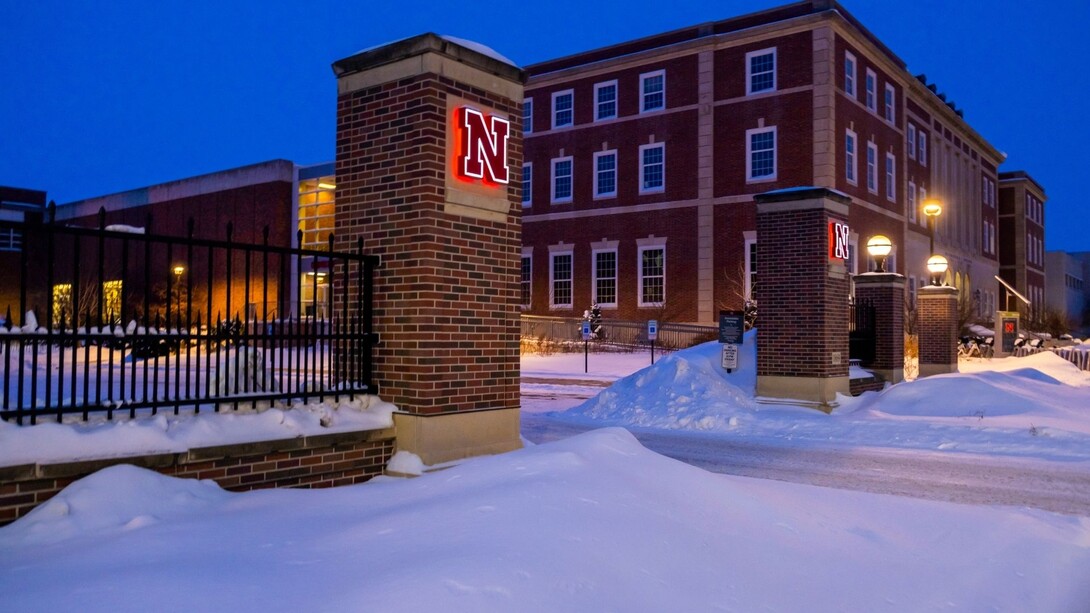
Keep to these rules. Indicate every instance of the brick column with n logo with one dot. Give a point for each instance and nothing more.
(802, 296)
(429, 138)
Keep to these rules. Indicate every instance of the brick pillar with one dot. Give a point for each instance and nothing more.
(446, 293)
(937, 323)
(886, 291)
(802, 295)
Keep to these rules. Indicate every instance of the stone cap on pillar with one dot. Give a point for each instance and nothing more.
(879, 278)
(937, 291)
(803, 198)
(459, 50)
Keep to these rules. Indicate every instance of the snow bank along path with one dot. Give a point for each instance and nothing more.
(591, 523)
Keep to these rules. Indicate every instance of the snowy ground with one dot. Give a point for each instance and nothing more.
(598, 522)
(592, 523)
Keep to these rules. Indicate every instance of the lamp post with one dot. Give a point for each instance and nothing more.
(937, 265)
(879, 247)
(932, 208)
(178, 271)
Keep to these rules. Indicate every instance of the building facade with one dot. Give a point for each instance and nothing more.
(1066, 288)
(16, 205)
(643, 158)
(1022, 242)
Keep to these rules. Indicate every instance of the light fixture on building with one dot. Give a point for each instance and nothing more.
(937, 265)
(325, 185)
(178, 270)
(932, 208)
(879, 247)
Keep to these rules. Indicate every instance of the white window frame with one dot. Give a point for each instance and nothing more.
(597, 103)
(870, 86)
(566, 92)
(921, 142)
(649, 244)
(912, 203)
(552, 180)
(922, 197)
(604, 195)
(750, 240)
(851, 159)
(527, 254)
(554, 252)
(606, 247)
(911, 140)
(872, 167)
(527, 115)
(891, 177)
(661, 188)
(749, 155)
(890, 109)
(527, 184)
(749, 70)
(643, 95)
(850, 75)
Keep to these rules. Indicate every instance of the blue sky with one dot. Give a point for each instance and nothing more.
(103, 97)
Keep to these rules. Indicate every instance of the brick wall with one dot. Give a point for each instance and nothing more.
(937, 326)
(803, 306)
(887, 294)
(446, 294)
(305, 462)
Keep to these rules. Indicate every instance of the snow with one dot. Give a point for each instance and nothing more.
(592, 523)
(468, 44)
(49, 443)
(405, 463)
(125, 229)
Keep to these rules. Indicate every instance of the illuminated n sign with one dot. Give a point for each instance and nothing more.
(482, 150)
(838, 240)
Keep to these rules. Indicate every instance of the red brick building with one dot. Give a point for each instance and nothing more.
(642, 160)
(1022, 242)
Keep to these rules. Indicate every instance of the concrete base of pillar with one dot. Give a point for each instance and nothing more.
(926, 370)
(444, 437)
(813, 392)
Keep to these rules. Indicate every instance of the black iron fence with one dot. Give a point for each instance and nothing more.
(862, 337)
(114, 319)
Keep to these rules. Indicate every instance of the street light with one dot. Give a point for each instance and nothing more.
(178, 271)
(932, 208)
(879, 247)
(937, 265)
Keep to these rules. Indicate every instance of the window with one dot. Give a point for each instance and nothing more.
(653, 91)
(850, 166)
(527, 183)
(652, 168)
(749, 286)
(562, 180)
(922, 146)
(849, 74)
(761, 71)
(872, 90)
(872, 167)
(891, 105)
(316, 211)
(527, 115)
(605, 100)
(605, 174)
(911, 290)
(891, 177)
(563, 108)
(911, 201)
(923, 199)
(605, 277)
(10, 239)
(761, 154)
(560, 280)
(911, 141)
(525, 284)
(652, 276)
(62, 303)
(111, 300)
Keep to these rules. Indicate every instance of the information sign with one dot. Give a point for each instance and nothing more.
(731, 326)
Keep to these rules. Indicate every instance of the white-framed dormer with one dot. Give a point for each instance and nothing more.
(605, 100)
(563, 109)
(653, 91)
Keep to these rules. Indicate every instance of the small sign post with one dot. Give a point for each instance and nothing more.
(731, 327)
(652, 334)
(586, 339)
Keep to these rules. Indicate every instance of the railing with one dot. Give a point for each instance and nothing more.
(1074, 354)
(862, 341)
(616, 332)
(126, 327)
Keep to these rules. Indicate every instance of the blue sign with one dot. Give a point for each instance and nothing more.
(586, 330)
(652, 330)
